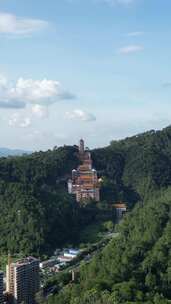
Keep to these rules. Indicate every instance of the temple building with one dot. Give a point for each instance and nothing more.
(84, 183)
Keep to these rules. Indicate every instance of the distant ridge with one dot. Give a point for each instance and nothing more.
(4, 152)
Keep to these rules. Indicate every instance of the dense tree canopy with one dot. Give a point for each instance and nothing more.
(136, 266)
(37, 214)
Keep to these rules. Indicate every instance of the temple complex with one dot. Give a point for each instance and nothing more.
(84, 183)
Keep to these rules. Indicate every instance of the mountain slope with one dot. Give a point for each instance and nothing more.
(136, 266)
(38, 215)
(5, 152)
(133, 268)
(137, 164)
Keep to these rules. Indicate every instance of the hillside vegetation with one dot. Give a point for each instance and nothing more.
(136, 266)
(37, 214)
(134, 166)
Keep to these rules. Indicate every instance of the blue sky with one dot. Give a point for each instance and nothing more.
(98, 69)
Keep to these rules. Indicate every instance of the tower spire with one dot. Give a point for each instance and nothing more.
(81, 146)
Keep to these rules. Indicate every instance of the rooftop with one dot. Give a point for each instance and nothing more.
(120, 205)
(25, 261)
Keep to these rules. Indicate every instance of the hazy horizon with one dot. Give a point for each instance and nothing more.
(77, 143)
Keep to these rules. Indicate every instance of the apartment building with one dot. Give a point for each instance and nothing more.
(23, 280)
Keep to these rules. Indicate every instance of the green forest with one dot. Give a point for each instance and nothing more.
(37, 216)
(133, 268)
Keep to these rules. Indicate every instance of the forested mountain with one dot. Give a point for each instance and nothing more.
(38, 215)
(135, 267)
(4, 152)
(137, 164)
(36, 211)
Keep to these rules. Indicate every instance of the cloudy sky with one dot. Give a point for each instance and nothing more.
(98, 69)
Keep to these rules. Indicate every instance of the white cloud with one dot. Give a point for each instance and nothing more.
(37, 91)
(40, 111)
(11, 24)
(80, 115)
(28, 91)
(130, 49)
(18, 121)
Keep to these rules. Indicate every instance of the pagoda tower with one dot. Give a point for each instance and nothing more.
(84, 183)
(81, 146)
